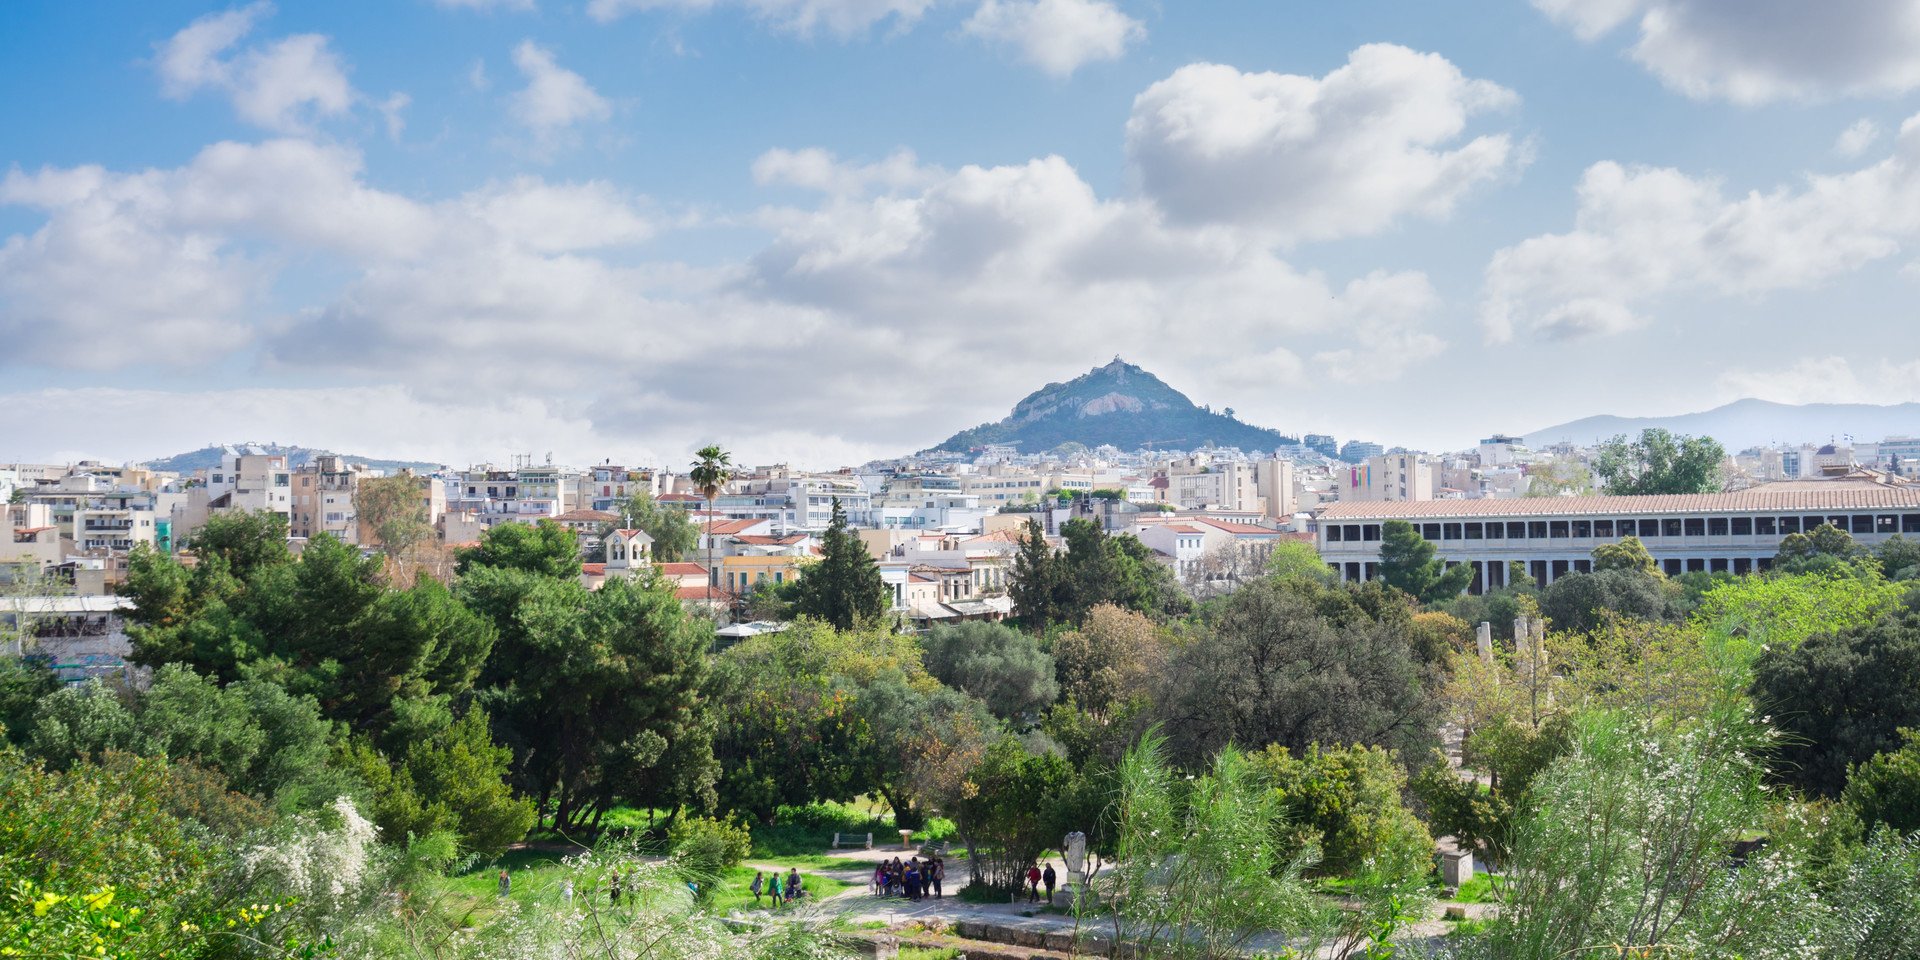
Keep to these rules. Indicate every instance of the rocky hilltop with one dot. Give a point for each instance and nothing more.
(1118, 404)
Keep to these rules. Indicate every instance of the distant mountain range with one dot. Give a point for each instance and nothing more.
(1118, 404)
(1750, 423)
(296, 457)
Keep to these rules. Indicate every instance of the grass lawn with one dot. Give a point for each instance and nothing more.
(734, 895)
(1477, 890)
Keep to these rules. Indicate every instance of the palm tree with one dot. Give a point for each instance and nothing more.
(712, 469)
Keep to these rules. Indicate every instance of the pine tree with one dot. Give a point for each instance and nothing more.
(844, 587)
(1407, 562)
(1034, 575)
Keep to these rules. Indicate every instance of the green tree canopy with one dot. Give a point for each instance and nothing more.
(1003, 667)
(1580, 602)
(1275, 669)
(1629, 554)
(843, 587)
(545, 548)
(1825, 547)
(1035, 580)
(1841, 698)
(1660, 462)
(1886, 789)
(1344, 804)
(394, 510)
(674, 534)
(1408, 563)
(1292, 558)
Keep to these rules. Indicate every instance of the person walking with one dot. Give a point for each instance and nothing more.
(937, 870)
(1033, 883)
(613, 889)
(566, 893)
(795, 888)
(1048, 877)
(759, 883)
(506, 884)
(773, 889)
(913, 880)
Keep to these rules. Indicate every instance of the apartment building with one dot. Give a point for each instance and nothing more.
(1391, 476)
(322, 499)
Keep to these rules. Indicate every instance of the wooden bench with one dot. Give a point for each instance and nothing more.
(849, 839)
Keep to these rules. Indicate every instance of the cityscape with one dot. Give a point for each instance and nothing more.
(960, 480)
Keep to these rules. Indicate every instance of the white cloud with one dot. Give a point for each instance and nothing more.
(1305, 158)
(1855, 140)
(1829, 379)
(517, 6)
(393, 112)
(816, 169)
(285, 85)
(1642, 233)
(1058, 36)
(1755, 51)
(845, 18)
(555, 99)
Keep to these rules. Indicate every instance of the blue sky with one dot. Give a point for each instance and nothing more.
(823, 230)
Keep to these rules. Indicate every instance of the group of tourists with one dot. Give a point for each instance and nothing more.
(916, 879)
(778, 891)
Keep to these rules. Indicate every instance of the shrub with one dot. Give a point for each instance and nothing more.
(709, 846)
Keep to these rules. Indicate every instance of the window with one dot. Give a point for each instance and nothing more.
(1558, 530)
(1649, 528)
(1910, 523)
(1673, 568)
(1333, 534)
(1472, 531)
(1583, 566)
(1582, 529)
(1862, 523)
(1696, 565)
(1559, 569)
(1670, 527)
(1496, 531)
(1430, 531)
(1789, 525)
(1694, 527)
(1742, 566)
(1886, 523)
(1717, 565)
(1450, 531)
(1536, 529)
(1743, 526)
(1370, 531)
(1516, 531)
(1716, 526)
(1353, 533)
(1603, 528)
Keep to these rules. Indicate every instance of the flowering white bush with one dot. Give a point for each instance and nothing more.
(323, 867)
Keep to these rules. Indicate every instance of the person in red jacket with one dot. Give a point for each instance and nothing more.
(1033, 883)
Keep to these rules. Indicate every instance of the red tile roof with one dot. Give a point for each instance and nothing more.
(764, 540)
(683, 569)
(1750, 500)
(723, 528)
(587, 516)
(594, 569)
(704, 592)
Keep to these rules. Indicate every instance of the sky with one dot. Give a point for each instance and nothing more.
(824, 231)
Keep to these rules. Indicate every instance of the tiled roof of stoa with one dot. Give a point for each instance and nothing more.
(1755, 499)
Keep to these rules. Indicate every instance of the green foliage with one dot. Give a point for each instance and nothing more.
(1511, 754)
(1886, 789)
(1841, 698)
(1625, 842)
(674, 534)
(1114, 659)
(1408, 563)
(1344, 805)
(1899, 557)
(545, 548)
(1660, 462)
(1003, 667)
(1580, 602)
(1035, 576)
(453, 782)
(598, 692)
(22, 683)
(707, 846)
(1012, 811)
(843, 587)
(81, 722)
(1291, 558)
(1781, 611)
(1629, 555)
(242, 542)
(1825, 548)
(1294, 664)
(394, 509)
(1200, 870)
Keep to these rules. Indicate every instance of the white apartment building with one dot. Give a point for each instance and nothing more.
(1390, 476)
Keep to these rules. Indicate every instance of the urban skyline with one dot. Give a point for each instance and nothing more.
(825, 231)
